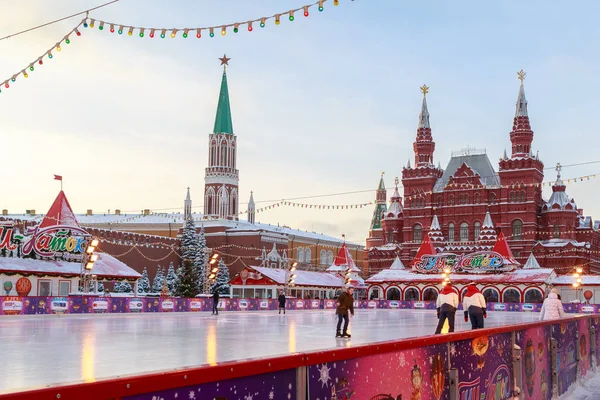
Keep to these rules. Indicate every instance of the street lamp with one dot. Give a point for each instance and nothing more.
(87, 263)
(290, 276)
(578, 282)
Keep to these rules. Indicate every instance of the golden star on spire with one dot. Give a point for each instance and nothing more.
(424, 89)
(521, 76)
(224, 60)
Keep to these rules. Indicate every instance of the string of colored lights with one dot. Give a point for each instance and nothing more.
(120, 28)
(40, 59)
(162, 31)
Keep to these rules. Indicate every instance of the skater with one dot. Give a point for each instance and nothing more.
(281, 299)
(215, 310)
(345, 302)
(552, 307)
(447, 303)
(474, 306)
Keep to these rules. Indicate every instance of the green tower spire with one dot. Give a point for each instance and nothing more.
(223, 122)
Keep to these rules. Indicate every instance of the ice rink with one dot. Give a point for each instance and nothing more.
(59, 349)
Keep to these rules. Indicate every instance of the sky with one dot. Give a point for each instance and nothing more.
(320, 105)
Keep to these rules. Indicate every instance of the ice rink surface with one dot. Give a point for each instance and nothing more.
(39, 351)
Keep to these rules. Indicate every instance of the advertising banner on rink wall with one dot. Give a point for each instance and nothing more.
(537, 368)
(277, 385)
(17, 305)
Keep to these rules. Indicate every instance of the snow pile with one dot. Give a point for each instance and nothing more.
(586, 390)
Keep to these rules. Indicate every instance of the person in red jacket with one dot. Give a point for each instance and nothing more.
(474, 306)
(345, 303)
(447, 303)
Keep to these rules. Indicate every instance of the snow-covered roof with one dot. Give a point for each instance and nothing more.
(303, 278)
(531, 263)
(568, 280)
(387, 247)
(397, 264)
(480, 163)
(562, 243)
(105, 267)
(104, 219)
(542, 275)
(395, 209)
(585, 222)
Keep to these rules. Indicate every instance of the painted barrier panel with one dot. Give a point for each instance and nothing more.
(585, 357)
(408, 374)
(277, 385)
(565, 334)
(537, 371)
(484, 367)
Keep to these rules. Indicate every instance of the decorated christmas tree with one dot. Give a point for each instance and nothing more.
(165, 290)
(188, 280)
(201, 259)
(189, 241)
(159, 278)
(221, 283)
(144, 282)
(171, 279)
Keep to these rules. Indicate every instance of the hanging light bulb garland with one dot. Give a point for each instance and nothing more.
(91, 23)
(40, 60)
(224, 29)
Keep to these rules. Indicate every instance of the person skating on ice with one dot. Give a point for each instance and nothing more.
(474, 306)
(215, 310)
(281, 299)
(345, 303)
(447, 303)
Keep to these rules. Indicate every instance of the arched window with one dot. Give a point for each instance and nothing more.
(534, 296)
(511, 296)
(393, 294)
(491, 295)
(556, 230)
(374, 293)
(451, 232)
(417, 233)
(517, 230)
(492, 198)
(411, 294)
(430, 294)
(307, 256)
(440, 202)
(512, 197)
(329, 258)
(476, 198)
(464, 232)
(300, 254)
(223, 154)
(476, 230)
(323, 257)
(451, 200)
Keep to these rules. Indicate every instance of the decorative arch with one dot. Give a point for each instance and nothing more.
(307, 255)
(223, 154)
(430, 293)
(329, 257)
(511, 294)
(464, 232)
(223, 201)
(417, 233)
(300, 254)
(233, 202)
(491, 294)
(534, 295)
(412, 293)
(451, 232)
(393, 293)
(476, 230)
(323, 257)
(209, 201)
(380, 292)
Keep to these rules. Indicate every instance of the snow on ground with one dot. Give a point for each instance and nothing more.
(586, 390)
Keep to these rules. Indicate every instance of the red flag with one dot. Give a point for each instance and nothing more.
(58, 177)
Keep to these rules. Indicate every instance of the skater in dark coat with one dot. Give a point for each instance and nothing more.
(447, 303)
(345, 302)
(281, 299)
(215, 310)
(474, 306)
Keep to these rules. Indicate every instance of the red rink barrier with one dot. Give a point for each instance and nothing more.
(493, 363)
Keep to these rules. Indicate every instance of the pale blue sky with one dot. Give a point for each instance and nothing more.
(320, 105)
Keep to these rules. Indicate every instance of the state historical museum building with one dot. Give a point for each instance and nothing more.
(554, 230)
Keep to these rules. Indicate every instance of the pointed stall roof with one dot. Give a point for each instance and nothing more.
(501, 247)
(60, 213)
(532, 263)
(223, 122)
(343, 261)
(426, 248)
(397, 264)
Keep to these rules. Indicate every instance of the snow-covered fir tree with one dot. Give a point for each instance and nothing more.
(126, 287)
(144, 282)
(100, 288)
(201, 259)
(159, 278)
(188, 280)
(189, 241)
(171, 279)
(117, 287)
(221, 283)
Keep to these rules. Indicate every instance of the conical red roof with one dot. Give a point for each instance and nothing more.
(60, 213)
(426, 248)
(501, 247)
(343, 260)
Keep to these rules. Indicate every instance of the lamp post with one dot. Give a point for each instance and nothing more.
(87, 264)
(446, 276)
(290, 277)
(213, 268)
(578, 282)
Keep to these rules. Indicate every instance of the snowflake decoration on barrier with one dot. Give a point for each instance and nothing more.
(324, 378)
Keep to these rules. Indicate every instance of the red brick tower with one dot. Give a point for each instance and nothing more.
(521, 177)
(221, 199)
(418, 184)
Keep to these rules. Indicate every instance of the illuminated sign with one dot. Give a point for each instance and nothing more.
(474, 263)
(435, 263)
